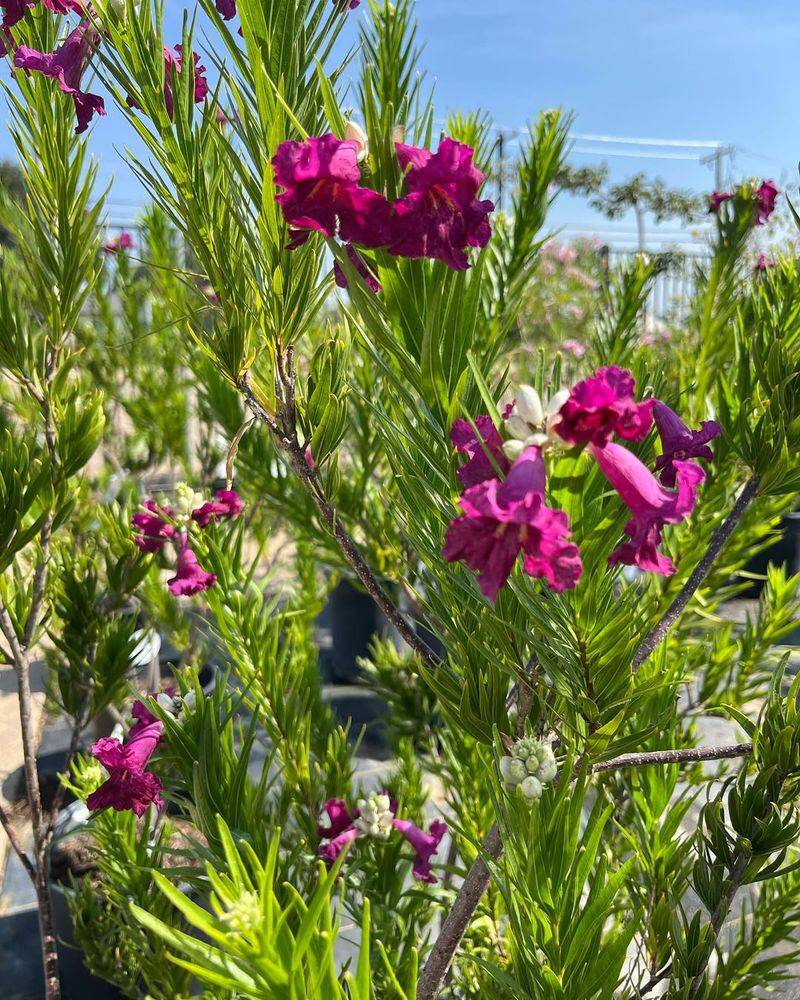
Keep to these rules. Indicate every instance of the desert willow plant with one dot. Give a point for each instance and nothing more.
(557, 675)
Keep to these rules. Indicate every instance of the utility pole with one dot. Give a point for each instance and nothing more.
(501, 167)
(718, 159)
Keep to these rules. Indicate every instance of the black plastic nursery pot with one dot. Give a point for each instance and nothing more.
(354, 619)
(784, 552)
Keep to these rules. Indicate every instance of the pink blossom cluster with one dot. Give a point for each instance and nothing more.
(157, 525)
(122, 242)
(439, 217)
(765, 197)
(67, 62)
(377, 816)
(503, 502)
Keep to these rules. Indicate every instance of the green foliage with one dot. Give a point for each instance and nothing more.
(257, 942)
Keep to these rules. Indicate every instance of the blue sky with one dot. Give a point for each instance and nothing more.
(691, 70)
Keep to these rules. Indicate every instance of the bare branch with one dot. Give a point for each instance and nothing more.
(698, 575)
(687, 755)
(13, 839)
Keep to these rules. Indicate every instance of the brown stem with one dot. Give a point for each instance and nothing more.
(21, 662)
(687, 755)
(457, 920)
(47, 927)
(77, 729)
(722, 910)
(700, 572)
(651, 983)
(288, 443)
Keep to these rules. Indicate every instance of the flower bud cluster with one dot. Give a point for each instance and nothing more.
(177, 705)
(186, 500)
(530, 765)
(375, 816)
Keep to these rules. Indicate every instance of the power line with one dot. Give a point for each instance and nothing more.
(640, 141)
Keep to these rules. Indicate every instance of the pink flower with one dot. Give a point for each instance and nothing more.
(716, 199)
(440, 216)
(175, 63)
(763, 262)
(129, 785)
(320, 177)
(122, 242)
(679, 443)
(226, 8)
(360, 265)
(603, 405)
(66, 65)
(574, 347)
(227, 505)
(766, 196)
(341, 828)
(425, 845)
(144, 718)
(190, 577)
(502, 519)
(479, 468)
(15, 10)
(565, 254)
(349, 4)
(330, 852)
(154, 529)
(338, 819)
(651, 505)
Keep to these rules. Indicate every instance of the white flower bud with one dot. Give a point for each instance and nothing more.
(354, 133)
(539, 440)
(529, 405)
(555, 403)
(531, 788)
(513, 449)
(547, 769)
(187, 500)
(505, 764)
(190, 701)
(532, 765)
(165, 702)
(375, 816)
(517, 427)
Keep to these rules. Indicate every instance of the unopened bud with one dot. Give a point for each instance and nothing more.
(531, 788)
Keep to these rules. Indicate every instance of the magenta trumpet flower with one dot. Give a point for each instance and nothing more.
(321, 192)
(679, 443)
(479, 468)
(603, 406)
(441, 215)
(503, 519)
(190, 577)
(66, 65)
(651, 505)
(129, 785)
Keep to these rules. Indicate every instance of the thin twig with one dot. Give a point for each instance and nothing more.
(77, 728)
(687, 755)
(698, 575)
(659, 977)
(288, 443)
(16, 844)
